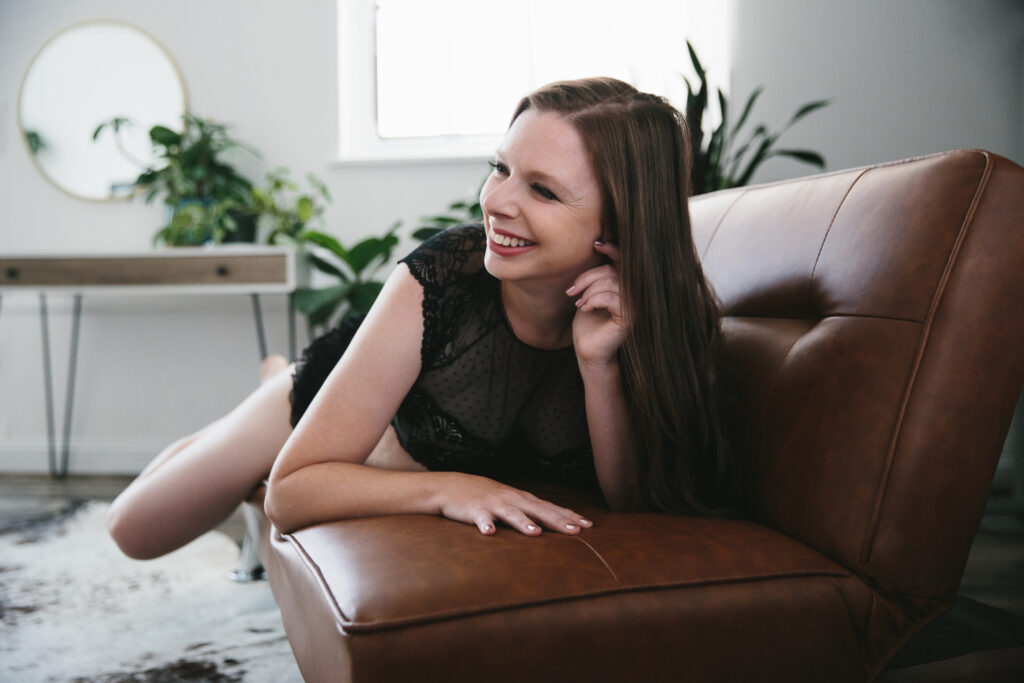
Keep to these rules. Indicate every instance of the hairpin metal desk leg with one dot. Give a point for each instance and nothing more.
(69, 399)
(291, 327)
(59, 467)
(261, 335)
(51, 437)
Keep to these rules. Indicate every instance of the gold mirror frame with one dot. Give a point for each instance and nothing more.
(172, 120)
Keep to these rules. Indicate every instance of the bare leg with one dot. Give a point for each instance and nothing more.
(271, 366)
(198, 481)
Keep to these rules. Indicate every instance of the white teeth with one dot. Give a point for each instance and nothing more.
(506, 241)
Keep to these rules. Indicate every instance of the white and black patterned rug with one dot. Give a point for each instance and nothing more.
(73, 608)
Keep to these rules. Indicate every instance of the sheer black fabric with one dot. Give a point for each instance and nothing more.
(485, 402)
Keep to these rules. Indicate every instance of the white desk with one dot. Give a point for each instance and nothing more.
(248, 269)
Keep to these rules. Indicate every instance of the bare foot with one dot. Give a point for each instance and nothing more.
(272, 365)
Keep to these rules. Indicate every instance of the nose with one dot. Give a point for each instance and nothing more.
(498, 197)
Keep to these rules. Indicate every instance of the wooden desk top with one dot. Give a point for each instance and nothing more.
(179, 270)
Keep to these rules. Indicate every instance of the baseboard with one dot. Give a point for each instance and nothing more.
(96, 456)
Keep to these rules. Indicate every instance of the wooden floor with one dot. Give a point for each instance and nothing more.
(24, 497)
(994, 573)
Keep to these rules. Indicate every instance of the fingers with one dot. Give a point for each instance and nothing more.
(485, 523)
(597, 289)
(606, 275)
(609, 250)
(528, 516)
(609, 301)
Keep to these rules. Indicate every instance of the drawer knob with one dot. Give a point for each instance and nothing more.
(12, 273)
(222, 271)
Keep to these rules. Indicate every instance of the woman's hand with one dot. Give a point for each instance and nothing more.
(481, 501)
(598, 327)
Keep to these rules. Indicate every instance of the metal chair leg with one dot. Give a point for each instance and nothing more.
(249, 566)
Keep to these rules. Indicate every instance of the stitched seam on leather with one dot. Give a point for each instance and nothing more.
(598, 555)
(393, 624)
(314, 568)
(739, 196)
(828, 230)
(869, 538)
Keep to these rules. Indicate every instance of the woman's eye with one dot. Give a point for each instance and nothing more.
(499, 167)
(544, 192)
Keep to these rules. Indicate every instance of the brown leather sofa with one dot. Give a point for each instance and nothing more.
(874, 329)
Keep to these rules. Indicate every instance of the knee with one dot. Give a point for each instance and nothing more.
(130, 533)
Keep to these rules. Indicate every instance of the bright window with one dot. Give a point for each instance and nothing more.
(439, 78)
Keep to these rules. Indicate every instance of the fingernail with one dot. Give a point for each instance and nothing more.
(599, 243)
(570, 527)
(530, 527)
(486, 527)
(586, 522)
(579, 302)
(571, 289)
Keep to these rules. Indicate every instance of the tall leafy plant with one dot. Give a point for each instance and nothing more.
(718, 160)
(354, 268)
(459, 212)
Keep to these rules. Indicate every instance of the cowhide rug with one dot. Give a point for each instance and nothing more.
(73, 608)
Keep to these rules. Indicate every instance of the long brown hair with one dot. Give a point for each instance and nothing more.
(670, 355)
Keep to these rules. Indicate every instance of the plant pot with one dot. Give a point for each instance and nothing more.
(246, 231)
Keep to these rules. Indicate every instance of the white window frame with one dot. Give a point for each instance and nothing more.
(358, 140)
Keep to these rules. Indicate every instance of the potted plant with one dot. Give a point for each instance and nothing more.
(716, 163)
(208, 200)
(293, 217)
(284, 211)
(459, 212)
(354, 269)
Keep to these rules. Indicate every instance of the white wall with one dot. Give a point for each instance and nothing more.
(151, 368)
(907, 77)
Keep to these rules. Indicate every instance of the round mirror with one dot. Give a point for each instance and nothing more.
(88, 101)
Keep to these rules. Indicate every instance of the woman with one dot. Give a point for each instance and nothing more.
(571, 336)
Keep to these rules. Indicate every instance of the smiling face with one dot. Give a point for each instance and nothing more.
(542, 204)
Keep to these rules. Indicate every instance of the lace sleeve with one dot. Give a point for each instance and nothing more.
(441, 265)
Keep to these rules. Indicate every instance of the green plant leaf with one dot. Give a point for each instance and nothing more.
(164, 136)
(326, 241)
(425, 233)
(319, 304)
(697, 66)
(364, 294)
(805, 155)
(807, 109)
(755, 161)
(363, 253)
(304, 208)
(325, 266)
(737, 157)
(746, 111)
(443, 220)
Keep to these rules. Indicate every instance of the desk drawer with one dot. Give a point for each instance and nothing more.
(157, 270)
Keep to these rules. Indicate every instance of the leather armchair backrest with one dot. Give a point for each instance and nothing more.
(874, 331)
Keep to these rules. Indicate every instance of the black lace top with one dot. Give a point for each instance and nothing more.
(485, 402)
